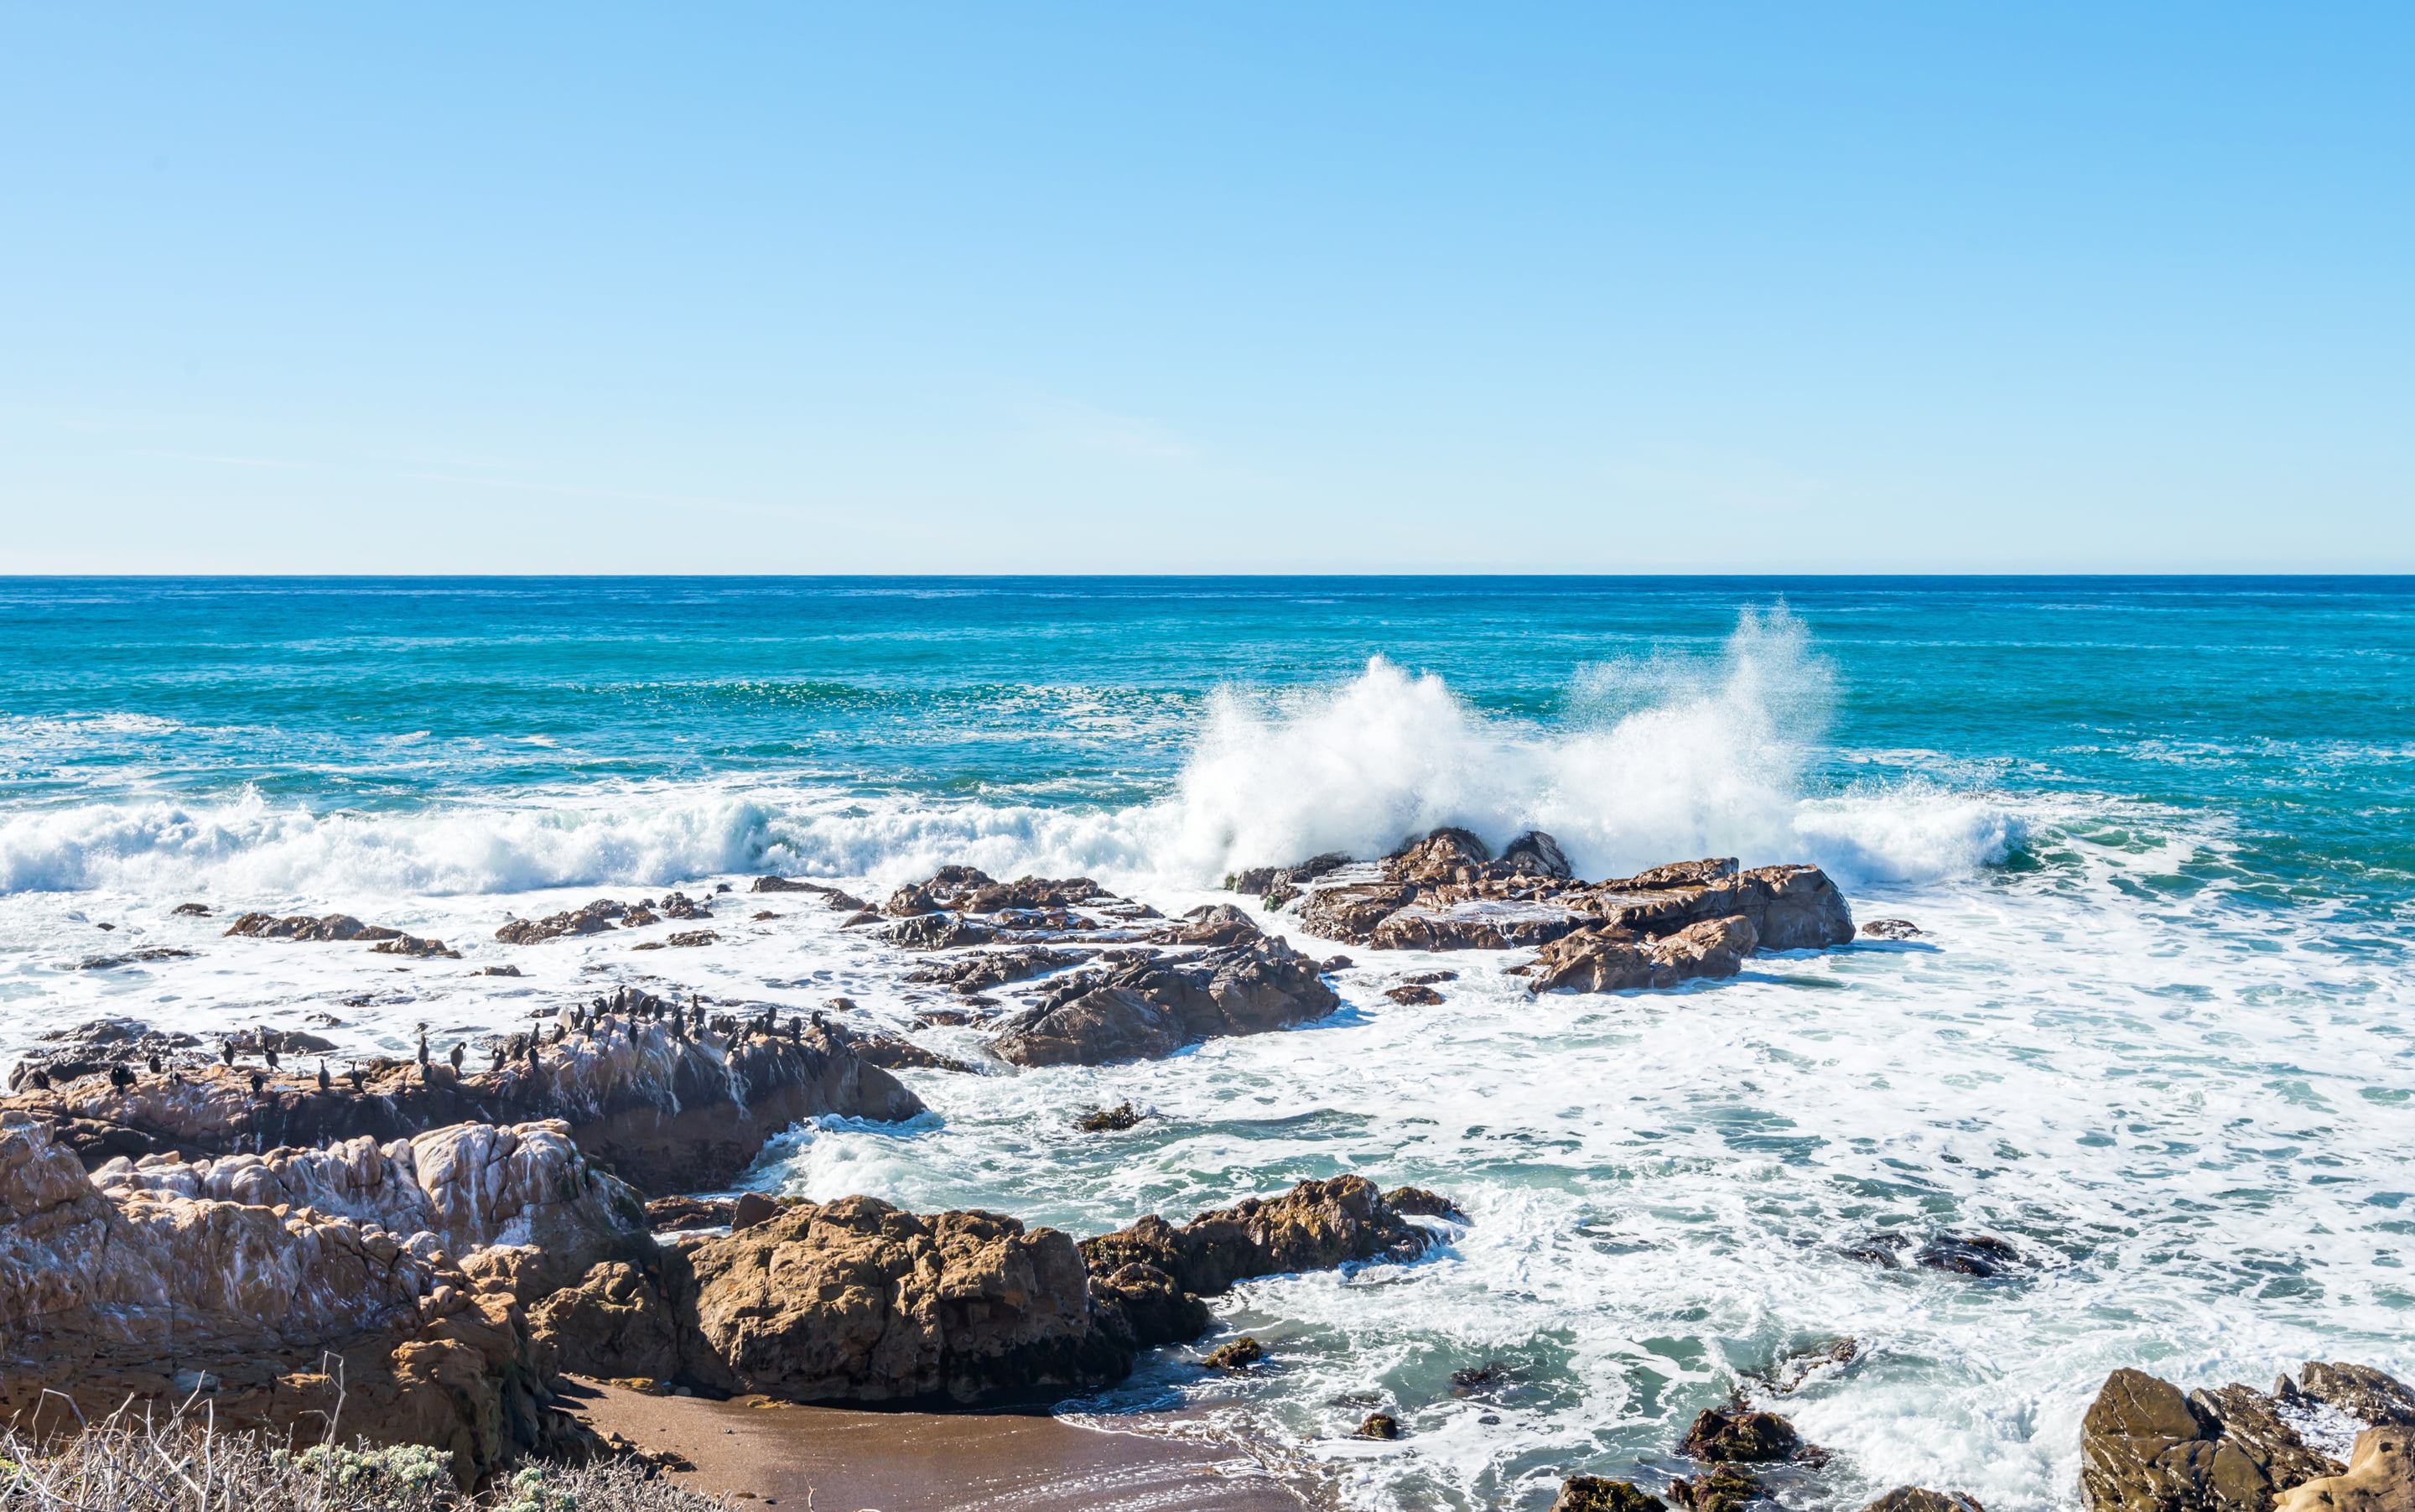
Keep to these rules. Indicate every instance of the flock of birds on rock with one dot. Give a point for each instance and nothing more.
(592, 1022)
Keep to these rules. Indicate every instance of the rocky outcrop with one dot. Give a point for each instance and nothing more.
(860, 1301)
(274, 1313)
(982, 970)
(1148, 1008)
(96, 1047)
(1921, 1499)
(1605, 958)
(1739, 1435)
(2144, 1446)
(667, 1111)
(304, 927)
(1314, 1226)
(594, 919)
(2380, 1477)
(1592, 1493)
(1446, 893)
(471, 1185)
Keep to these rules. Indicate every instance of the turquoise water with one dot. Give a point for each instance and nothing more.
(2157, 831)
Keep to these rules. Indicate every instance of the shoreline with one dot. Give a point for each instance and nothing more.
(849, 1460)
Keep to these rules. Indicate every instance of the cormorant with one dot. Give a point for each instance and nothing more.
(499, 1057)
(156, 1064)
(268, 1053)
(259, 1082)
(357, 1076)
(121, 1076)
(325, 1082)
(226, 1051)
(422, 1045)
(456, 1057)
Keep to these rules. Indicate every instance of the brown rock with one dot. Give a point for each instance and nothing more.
(751, 1208)
(1417, 1202)
(302, 927)
(1726, 1489)
(1734, 1435)
(1891, 929)
(2363, 1393)
(1150, 1007)
(786, 884)
(1920, 1499)
(1379, 1426)
(1314, 1226)
(993, 968)
(1414, 994)
(1591, 1493)
(1238, 1353)
(2380, 1477)
(1221, 924)
(411, 945)
(591, 920)
(1603, 959)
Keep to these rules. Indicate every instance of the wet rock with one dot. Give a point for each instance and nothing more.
(889, 1052)
(1315, 1227)
(1232, 1356)
(751, 1208)
(1481, 1380)
(2143, 1448)
(302, 927)
(861, 915)
(1726, 1489)
(1592, 1493)
(1676, 874)
(1378, 1426)
(1351, 911)
(1141, 1307)
(2249, 1421)
(694, 938)
(2380, 1477)
(1253, 881)
(255, 1042)
(192, 911)
(592, 920)
(1878, 1249)
(153, 952)
(994, 968)
(498, 971)
(1920, 1499)
(640, 917)
(1979, 1255)
(1536, 854)
(937, 931)
(1109, 1120)
(1448, 854)
(1414, 996)
(411, 945)
(1415, 1202)
(96, 1046)
(786, 884)
(857, 1300)
(1891, 929)
(1790, 1373)
(1604, 959)
(1440, 922)
(1145, 1009)
(2361, 1392)
(1221, 924)
(1736, 1435)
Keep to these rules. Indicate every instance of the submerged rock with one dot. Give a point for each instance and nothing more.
(1979, 1255)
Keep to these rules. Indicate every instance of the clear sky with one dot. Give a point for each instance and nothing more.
(1217, 286)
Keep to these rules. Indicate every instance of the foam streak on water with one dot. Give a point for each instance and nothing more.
(2152, 1034)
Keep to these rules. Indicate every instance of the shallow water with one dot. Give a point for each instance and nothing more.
(2156, 833)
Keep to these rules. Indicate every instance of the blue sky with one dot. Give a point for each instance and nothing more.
(1210, 287)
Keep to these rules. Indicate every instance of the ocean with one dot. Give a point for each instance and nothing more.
(2158, 835)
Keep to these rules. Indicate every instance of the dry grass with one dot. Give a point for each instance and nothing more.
(135, 1462)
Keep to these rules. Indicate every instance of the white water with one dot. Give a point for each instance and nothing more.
(2191, 1116)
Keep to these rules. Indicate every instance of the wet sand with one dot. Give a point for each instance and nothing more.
(929, 1461)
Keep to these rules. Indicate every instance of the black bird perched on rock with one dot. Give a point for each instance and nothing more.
(226, 1051)
(155, 1064)
(121, 1076)
(532, 1050)
(357, 1076)
(797, 1029)
(259, 1082)
(499, 1057)
(325, 1082)
(423, 1045)
(560, 1032)
(175, 1078)
(817, 1019)
(456, 1057)
(269, 1055)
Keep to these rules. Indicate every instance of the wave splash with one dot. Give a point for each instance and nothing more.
(1655, 759)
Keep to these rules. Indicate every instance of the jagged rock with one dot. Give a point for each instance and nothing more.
(153, 952)
(970, 974)
(1441, 922)
(1379, 1426)
(1676, 874)
(889, 1052)
(678, 1215)
(694, 938)
(1314, 1226)
(1221, 924)
(2246, 1419)
(786, 884)
(106, 1297)
(1979, 1255)
(1109, 1120)
(1233, 1356)
(1878, 1249)
(411, 945)
(95, 1046)
(2380, 1477)
(1351, 911)
(471, 1185)
(1253, 881)
(1415, 1202)
(1605, 959)
(1591, 1493)
(592, 920)
(617, 1323)
(2361, 1392)
(1446, 855)
(857, 1300)
(302, 927)
(1537, 854)
(1726, 1489)
(679, 905)
(1921, 1499)
(1148, 1008)
(665, 1113)
(937, 931)
(1736, 1435)
(1141, 1307)
(2145, 1447)
(1414, 994)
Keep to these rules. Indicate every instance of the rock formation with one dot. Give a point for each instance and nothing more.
(2145, 1446)
(2380, 1477)
(276, 1312)
(1150, 1007)
(668, 1113)
(1314, 1226)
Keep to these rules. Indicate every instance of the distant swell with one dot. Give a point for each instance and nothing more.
(1654, 762)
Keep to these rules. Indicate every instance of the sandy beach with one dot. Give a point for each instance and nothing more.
(835, 1459)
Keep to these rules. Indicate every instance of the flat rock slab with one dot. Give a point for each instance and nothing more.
(900, 1462)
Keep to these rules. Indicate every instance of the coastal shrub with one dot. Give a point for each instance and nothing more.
(133, 1464)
